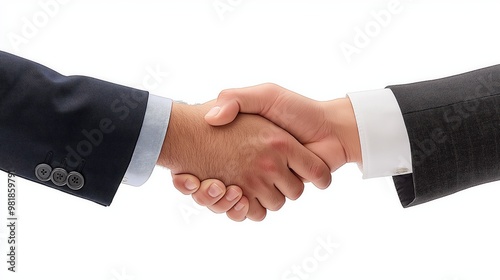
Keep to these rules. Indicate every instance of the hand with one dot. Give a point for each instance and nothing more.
(214, 195)
(328, 128)
(250, 152)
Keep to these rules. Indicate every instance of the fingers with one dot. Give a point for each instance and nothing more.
(300, 116)
(210, 192)
(231, 197)
(185, 183)
(216, 197)
(236, 206)
(240, 211)
(213, 194)
(256, 100)
(232, 202)
(308, 166)
(269, 198)
(256, 212)
(290, 185)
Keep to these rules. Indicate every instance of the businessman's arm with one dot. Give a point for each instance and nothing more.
(452, 125)
(75, 134)
(83, 136)
(366, 128)
(443, 131)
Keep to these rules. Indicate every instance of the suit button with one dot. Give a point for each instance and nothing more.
(75, 180)
(43, 171)
(59, 177)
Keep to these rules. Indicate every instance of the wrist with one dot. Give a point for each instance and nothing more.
(179, 135)
(340, 114)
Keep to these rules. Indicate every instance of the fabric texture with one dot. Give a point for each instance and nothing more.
(71, 122)
(453, 125)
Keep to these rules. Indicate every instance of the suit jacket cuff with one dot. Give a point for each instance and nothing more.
(453, 126)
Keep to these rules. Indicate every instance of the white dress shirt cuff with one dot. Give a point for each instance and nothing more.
(150, 141)
(385, 147)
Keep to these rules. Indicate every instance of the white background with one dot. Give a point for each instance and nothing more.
(154, 232)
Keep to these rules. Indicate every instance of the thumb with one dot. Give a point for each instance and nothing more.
(254, 100)
(224, 112)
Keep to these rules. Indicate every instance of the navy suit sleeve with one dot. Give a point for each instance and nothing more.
(453, 125)
(69, 124)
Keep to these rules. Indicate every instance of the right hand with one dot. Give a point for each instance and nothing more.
(328, 129)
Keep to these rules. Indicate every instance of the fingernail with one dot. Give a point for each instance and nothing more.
(239, 206)
(214, 190)
(190, 185)
(213, 112)
(231, 194)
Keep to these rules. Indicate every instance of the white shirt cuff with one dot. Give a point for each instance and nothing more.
(385, 147)
(150, 141)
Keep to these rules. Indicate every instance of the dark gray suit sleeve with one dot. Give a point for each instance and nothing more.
(454, 132)
(72, 133)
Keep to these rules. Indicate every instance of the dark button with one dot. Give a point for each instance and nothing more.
(59, 177)
(43, 171)
(75, 180)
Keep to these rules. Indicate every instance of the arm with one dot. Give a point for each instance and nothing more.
(452, 124)
(80, 135)
(56, 127)
(434, 113)
(80, 124)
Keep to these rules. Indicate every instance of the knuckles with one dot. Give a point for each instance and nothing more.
(279, 144)
(275, 141)
(268, 165)
(225, 94)
(270, 87)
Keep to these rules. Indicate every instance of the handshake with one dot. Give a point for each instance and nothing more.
(252, 148)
